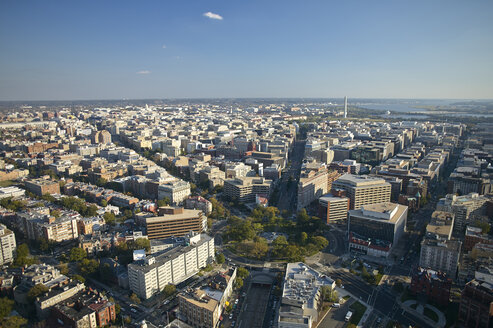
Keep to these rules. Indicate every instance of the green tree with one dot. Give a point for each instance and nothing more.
(104, 203)
(338, 282)
(14, 322)
(6, 306)
(238, 283)
(242, 273)
(303, 238)
(105, 272)
(140, 243)
(35, 291)
(320, 242)
(55, 213)
(23, 256)
(79, 278)
(63, 268)
(280, 242)
(220, 258)
(109, 218)
(164, 202)
(88, 267)
(134, 298)
(169, 290)
(77, 254)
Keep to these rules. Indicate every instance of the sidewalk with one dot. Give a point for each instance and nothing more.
(342, 292)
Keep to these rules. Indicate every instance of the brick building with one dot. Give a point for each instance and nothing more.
(433, 285)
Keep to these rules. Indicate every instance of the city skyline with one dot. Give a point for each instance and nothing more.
(423, 50)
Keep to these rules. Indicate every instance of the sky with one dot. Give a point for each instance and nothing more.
(68, 50)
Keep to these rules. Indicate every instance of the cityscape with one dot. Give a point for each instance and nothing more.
(237, 181)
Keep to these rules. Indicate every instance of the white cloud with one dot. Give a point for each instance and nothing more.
(213, 16)
(164, 46)
(144, 72)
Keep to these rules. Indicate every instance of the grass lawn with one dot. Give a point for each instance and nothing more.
(358, 310)
(6, 183)
(346, 297)
(430, 314)
(407, 296)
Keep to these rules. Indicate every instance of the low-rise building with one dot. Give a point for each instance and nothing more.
(301, 296)
(41, 186)
(432, 285)
(175, 222)
(245, 189)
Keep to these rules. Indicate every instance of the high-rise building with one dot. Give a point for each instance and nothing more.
(150, 275)
(7, 245)
(374, 229)
(312, 185)
(363, 190)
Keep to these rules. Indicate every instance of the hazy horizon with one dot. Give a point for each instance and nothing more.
(89, 50)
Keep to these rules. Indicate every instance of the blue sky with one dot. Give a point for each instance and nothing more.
(52, 50)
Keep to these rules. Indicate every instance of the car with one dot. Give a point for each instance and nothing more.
(342, 286)
(231, 316)
(379, 320)
(236, 302)
(336, 305)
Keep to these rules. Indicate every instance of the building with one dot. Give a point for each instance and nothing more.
(474, 236)
(11, 192)
(203, 307)
(331, 208)
(440, 255)
(246, 188)
(465, 208)
(174, 265)
(432, 285)
(312, 185)
(7, 245)
(198, 203)
(88, 308)
(301, 296)
(39, 187)
(384, 222)
(55, 295)
(363, 190)
(39, 226)
(176, 191)
(175, 222)
(476, 304)
(101, 137)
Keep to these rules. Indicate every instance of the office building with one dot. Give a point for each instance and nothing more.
(174, 265)
(245, 189)
(384, 222)
(363, 190)
(466, 208)
(175, 222)
(312, 184)
(331, 208)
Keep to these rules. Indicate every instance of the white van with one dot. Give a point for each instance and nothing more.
(336, 305)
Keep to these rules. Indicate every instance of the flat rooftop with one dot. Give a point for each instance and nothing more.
(360, 181)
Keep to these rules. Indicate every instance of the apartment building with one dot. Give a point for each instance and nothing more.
(176, 222)
(150, 275)
(363, 190)
(40, 187)
(38, 226)
(476, 301)
(203, 307)
(7, 245)
(246, 188)
(466, 208)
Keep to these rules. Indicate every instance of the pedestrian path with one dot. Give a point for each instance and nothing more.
(442, 321)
